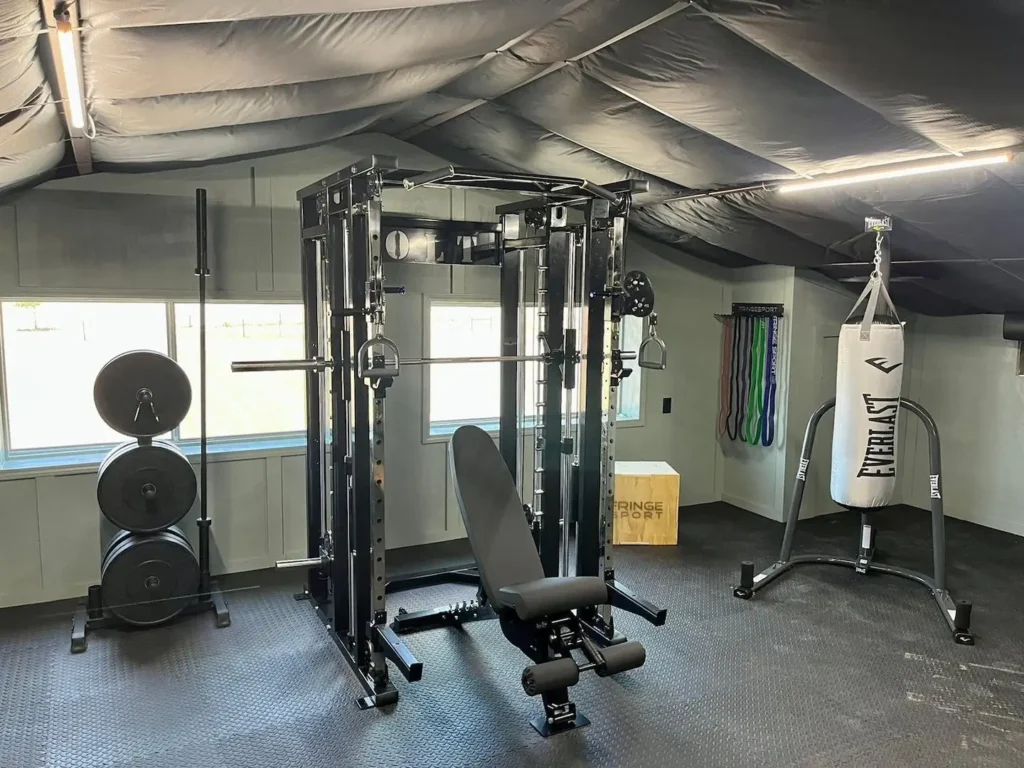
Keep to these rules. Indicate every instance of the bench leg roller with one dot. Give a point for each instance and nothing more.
(619, 658)
(550, 676)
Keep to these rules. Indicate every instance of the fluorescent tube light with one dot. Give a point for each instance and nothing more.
(896, 172)
(72, 80)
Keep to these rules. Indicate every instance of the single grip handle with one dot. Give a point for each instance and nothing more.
(652, 342)
(387, 350)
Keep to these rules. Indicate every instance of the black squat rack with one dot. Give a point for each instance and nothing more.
(570, 233)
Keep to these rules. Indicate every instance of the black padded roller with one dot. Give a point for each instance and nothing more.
(560, 673)
(619, 658)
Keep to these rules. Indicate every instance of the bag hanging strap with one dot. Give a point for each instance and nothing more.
(874, 293)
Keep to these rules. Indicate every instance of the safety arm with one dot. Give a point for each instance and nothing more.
(621, 596)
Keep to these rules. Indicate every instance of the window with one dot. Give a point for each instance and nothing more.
(461, 393)
(243, 404)
(52, 351)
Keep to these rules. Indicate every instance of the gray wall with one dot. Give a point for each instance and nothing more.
(132, 236)
(760, 479)
(965, 374)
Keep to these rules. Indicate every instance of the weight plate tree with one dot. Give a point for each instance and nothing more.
(145, 488)
(149, 571)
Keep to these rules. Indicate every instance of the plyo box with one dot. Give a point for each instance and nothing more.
(646, 503)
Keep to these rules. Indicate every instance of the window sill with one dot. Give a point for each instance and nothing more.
(88, 460)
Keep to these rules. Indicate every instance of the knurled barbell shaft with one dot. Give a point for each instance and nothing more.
(251, 366)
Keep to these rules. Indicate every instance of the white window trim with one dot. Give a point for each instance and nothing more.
(85, 459)
(427, 436)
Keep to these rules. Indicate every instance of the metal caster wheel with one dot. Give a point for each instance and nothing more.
(743, 593)
(963, 638)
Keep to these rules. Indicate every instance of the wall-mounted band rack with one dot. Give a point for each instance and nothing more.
(748, 375)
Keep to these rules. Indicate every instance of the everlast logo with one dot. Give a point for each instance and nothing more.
(933, 482)
(640, 510)
(880, 456)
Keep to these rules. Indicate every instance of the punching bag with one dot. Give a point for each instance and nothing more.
(869, 376)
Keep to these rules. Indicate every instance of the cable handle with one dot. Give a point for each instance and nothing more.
(652, 342)
(378, 346)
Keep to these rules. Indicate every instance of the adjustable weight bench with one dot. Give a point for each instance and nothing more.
(537, 614)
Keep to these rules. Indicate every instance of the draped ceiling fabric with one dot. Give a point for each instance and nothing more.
(693, 96)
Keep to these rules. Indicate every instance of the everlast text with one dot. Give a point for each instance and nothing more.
(880, 455)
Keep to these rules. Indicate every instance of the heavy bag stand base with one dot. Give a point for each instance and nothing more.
(957, 613)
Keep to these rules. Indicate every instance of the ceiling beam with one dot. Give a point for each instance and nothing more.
(81, 143)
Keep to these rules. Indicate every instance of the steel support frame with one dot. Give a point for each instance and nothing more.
(342, 282)
(604, 269)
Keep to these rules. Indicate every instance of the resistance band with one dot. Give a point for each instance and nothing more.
(725, 378)
(755, 401)
(734, 379)
(742, 376)
(768, 424)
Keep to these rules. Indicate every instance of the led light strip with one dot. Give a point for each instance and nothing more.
(896, 172)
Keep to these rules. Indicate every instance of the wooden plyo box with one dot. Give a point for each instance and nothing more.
(646, 503)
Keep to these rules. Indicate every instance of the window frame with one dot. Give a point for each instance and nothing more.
(428, 436)
(86, 457)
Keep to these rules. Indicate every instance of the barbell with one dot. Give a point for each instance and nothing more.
(319, 364)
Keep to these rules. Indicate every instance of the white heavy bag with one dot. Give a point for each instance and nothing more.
(869, 376)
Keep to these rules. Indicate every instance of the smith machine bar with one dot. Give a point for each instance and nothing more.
(351, 361)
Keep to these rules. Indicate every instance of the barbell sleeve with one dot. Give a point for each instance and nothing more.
(252, 366)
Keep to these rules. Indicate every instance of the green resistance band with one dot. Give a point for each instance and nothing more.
(755, 403)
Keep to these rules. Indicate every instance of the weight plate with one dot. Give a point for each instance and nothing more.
(145, 488)
(149, 578)
(142, 393)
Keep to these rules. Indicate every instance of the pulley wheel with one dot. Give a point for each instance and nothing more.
(639, 294)
(145, 488)
(142, 393)
(149, 578)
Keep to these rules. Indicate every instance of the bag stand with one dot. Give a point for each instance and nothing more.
(956, 613)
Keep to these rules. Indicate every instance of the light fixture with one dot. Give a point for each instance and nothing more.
(69, 63)
(895, 172)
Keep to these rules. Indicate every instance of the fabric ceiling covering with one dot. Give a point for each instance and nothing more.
(692, 96)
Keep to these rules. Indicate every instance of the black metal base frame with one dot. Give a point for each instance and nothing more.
(544, 728)
(451, 615)
(380, 692)
(957, 613)
(90, 616)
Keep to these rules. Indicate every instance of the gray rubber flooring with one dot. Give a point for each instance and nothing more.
(826, 668)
